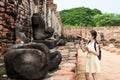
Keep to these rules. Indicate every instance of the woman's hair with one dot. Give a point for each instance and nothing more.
(93, 33)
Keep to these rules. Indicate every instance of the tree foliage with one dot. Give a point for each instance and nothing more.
(83, 16)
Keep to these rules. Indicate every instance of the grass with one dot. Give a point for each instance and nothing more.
(2, 71)
(2, 68)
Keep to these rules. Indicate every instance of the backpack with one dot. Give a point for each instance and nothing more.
(99, 57)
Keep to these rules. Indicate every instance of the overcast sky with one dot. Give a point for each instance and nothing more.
(106, 6)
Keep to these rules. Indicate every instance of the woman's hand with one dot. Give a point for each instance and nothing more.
(82, 42)
(87, 49)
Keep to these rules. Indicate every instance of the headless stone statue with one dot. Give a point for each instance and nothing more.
(20, 34)
(102, 37)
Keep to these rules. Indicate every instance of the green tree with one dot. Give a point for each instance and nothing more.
(85, 17)
(78, 16)
(106, 20)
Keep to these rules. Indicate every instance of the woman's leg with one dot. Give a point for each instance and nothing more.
(94, 76)
(87, 76)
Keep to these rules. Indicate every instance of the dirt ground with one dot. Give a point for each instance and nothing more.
(110, 66)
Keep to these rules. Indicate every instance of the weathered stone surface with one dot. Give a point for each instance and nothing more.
(2, 9)
(1, 4)
(1, 27)
(27, 61)
(108, 32)
(59, 77)
(68, 65)
(35, 61)
(20, 14)
(55, 61)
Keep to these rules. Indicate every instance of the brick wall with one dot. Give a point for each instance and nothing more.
(12, 14)
(109, 32)
(53, 17)
(7, 22)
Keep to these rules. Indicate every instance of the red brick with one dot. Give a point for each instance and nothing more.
(72, 61)
(1, 4)
(5, 30)
(2, 9)
(1, 27)
(65, 70)
(63, 77)
(68, 65)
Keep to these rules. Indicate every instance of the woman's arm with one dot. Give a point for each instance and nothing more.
(83, 49)
(95, 52)
(83, 46)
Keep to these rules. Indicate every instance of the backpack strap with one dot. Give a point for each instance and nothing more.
(99, 57)
(95, 46)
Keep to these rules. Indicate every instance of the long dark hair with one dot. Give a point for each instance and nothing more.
(94, 34)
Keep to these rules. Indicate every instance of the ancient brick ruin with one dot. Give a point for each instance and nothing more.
(13, 13)
(108, 32)
(19, 12)
(32, 23)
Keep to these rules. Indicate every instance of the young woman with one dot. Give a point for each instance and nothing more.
(92, 61)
